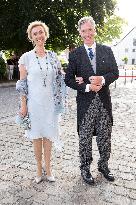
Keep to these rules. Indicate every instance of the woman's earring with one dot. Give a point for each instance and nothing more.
(33, 43)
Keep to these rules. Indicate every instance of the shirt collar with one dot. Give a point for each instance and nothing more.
(93, 47)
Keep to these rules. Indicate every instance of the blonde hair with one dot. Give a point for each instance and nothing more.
(84, 20)
(34, 24)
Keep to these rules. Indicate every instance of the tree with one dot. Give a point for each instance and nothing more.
(60, 15)
(112, 29)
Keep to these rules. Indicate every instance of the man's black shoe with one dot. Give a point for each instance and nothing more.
(87, 177)
(107, 174)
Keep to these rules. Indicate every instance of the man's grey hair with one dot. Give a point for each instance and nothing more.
(84, 20)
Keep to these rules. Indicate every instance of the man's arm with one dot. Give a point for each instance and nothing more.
(73, 82)
(71, 73)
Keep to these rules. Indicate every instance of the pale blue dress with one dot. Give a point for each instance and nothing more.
(41, 107)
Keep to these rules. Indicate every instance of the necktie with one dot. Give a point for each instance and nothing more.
(91, 55)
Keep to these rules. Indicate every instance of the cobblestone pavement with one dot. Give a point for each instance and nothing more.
(17, 164)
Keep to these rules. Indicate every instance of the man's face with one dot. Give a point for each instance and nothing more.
(87, 32)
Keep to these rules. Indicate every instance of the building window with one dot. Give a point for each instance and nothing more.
(134, 42)
(133, 50)
(126, 50)
(133, 61)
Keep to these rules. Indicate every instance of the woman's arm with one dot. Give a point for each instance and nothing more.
(23, 97)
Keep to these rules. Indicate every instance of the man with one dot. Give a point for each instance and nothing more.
(16, 69)
(92, 68)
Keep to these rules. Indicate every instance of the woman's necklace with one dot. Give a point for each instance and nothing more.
(43, 72)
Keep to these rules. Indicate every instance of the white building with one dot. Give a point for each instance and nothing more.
(126, 47)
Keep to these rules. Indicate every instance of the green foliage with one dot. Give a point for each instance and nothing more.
(60, 15)
(112, 29)
(125, 59)
(2, 68)
(8, 53)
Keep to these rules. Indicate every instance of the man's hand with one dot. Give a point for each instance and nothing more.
(79, 80)
(96, 83)
(95, 80)
(95, 88)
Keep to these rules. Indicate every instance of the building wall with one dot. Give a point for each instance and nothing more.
(126, 48)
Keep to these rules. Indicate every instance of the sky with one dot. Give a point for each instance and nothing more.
(127, 10)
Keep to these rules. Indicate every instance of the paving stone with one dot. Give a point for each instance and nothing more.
(130, 184)
(18, 166)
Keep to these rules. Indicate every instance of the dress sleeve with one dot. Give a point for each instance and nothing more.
(23, 60)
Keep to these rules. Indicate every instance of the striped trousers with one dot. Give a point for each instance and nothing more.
(96, 118)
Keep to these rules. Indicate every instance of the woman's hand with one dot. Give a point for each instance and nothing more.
(79, 80)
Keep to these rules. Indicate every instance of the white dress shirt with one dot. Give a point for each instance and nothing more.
(93, 50)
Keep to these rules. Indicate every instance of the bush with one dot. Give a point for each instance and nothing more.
(2, 69)
(64, 66)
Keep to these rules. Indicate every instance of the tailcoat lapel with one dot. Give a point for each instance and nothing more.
(98, 58)
(85, 62)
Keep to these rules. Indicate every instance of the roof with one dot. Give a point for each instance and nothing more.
(125, 36)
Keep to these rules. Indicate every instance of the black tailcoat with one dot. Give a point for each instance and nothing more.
(80, 66)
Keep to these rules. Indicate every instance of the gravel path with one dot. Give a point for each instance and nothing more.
(17, 167)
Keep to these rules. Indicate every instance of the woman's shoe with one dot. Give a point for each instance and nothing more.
(38, 179)
(50, 178)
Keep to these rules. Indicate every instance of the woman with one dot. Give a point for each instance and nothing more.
(40, 88)
(10, 65)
